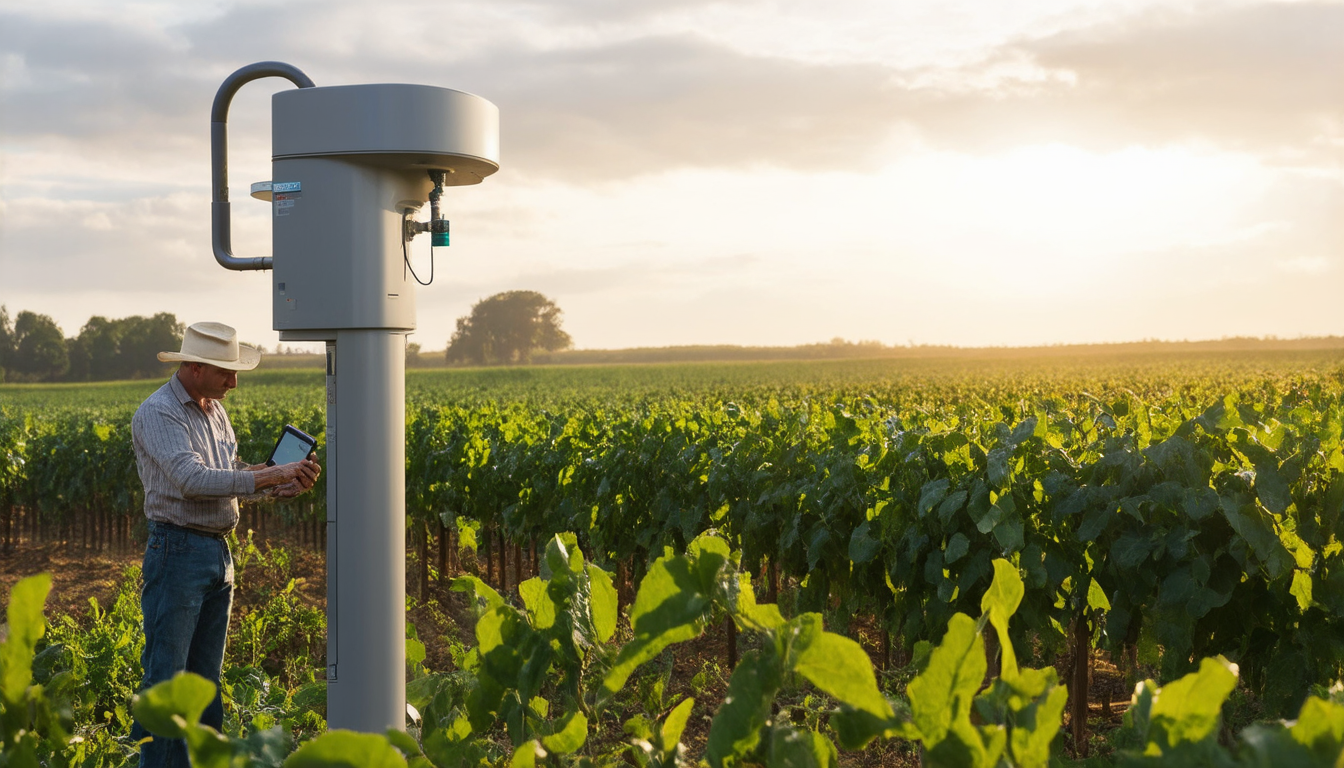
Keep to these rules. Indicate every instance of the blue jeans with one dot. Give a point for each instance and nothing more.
(186, 598)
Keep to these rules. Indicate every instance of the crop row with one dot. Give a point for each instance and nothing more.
(544, 684)
(1194, 522)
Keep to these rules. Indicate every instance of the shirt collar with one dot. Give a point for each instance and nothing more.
(179, 391)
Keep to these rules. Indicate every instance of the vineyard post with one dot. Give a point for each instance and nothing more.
(730, 634)
(502, 548)
(517, 563)
(443, 555)
(485, 551)
(993, 654)
(773, 597)
(1082, 664)
(422, 554)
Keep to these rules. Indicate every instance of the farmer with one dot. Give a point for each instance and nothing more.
(187, 455)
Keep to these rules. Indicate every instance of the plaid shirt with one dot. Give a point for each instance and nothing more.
(188, 461)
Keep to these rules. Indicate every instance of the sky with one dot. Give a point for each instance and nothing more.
(757, 172)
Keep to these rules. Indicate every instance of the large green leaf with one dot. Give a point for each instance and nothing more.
(837, 665)
(1130, 550)
(669, 608)
(931, 495)
(604, 603)
(863, 545)
(1035, 727)
(957, 547)
(167, 708)
(208, 748)
(26, 626)
(799, 748)
(752, 616)
(675, 724)
(1272, 488)
(569, 734)
(1000, 602)
(941, 695)
(483, 592)
(736, 728)
(1301, 590)
(347, 749)
(1320, 728)
(540, 607)
(1187, 710)
(527, 754)
(452, 747)
(1257, 529)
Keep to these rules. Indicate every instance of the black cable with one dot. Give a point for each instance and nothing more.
(406, 254)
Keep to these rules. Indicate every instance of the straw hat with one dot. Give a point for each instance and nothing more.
(215, 344)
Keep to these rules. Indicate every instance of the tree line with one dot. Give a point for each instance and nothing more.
(34, 349)
(505, 329)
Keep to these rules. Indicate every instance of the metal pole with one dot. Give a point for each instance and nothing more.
(366, 595)
(221, 230)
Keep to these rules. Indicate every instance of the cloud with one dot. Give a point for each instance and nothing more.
(146, 244)
(631, 101)
(1265, 79)
(660, 103)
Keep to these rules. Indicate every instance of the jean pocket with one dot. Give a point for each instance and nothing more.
(175, 542)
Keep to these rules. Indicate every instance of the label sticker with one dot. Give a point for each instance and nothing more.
(283, 195)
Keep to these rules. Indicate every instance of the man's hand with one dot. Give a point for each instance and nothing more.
(289, 480)
(287, 491)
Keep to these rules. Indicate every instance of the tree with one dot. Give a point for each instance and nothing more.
(507, 328)
(40, 353)
(141, 341)
(6, 341)
(126, 348)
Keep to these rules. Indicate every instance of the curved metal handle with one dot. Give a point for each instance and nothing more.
(220, 227)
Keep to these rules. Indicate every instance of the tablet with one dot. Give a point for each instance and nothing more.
(294, 445)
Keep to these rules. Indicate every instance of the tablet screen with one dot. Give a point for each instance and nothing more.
(292, 447)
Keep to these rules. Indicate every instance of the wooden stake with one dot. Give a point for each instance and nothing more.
(1082, 663)
(731, 630)
(993, 654)
(443, 556)
(774, 581)
(503, 563)
(422, 534)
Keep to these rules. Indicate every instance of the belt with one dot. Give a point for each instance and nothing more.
(220, 535)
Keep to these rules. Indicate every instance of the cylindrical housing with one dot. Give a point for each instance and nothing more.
(393, 125)
(338, 254)
(366, 531)
(348, 161)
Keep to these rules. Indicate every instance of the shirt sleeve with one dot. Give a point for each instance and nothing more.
(165, 439)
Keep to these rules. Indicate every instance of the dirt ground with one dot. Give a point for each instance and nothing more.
(76, 575)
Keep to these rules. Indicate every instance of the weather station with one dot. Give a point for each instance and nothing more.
(352, 166)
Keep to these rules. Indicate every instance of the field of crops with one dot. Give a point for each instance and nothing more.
(1165, 509)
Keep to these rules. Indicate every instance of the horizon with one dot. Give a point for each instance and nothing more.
(692, 173)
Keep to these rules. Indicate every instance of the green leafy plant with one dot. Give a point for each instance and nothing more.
(35, 720)
(1179, 724)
